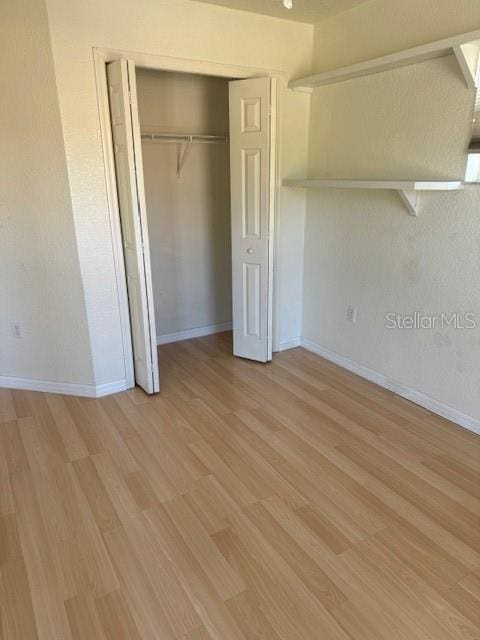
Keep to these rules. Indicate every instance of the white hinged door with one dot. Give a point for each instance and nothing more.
(133, 217)
(252, 171)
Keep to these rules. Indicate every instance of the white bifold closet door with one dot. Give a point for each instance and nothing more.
(252, 171)
(133, 216)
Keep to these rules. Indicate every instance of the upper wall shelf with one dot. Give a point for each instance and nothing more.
(466, 48)
(407, 189)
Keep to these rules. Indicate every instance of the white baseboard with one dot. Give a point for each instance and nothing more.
(97, 391)
(108, 388)
(65, 388)
(435, 406)
(289, 344)
(197, 332)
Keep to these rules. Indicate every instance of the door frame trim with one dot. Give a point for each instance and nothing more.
(101, 56)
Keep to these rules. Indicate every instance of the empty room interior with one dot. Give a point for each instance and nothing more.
(240, 320)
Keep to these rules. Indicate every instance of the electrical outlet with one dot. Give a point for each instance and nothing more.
(351, 313)
(16, 330)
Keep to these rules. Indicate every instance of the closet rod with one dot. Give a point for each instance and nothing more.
(185, 137)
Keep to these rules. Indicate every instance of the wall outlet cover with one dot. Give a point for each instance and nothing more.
(351, 313)
(16, 330)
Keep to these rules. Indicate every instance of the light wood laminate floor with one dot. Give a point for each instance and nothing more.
(288, 501)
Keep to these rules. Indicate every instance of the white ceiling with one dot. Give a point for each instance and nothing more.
(310, 11)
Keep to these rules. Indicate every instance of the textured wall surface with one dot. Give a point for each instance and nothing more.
(40, 284)
(188, 216)
(181, 29)
(379, 27)
(361, 247)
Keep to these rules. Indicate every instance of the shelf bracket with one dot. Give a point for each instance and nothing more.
(467, 56)
(411, 200)
(182, 154)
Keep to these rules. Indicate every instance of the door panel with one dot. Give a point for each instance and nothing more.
(251, 182)
(131, 200)
(251, 293)
(251, 170)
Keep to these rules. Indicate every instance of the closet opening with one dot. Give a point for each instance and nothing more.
(194, 164)
(184, 123)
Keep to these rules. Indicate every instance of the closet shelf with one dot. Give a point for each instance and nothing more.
(406, 189)
(465, 47)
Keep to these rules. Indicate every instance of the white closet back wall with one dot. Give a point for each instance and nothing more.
(188, 215)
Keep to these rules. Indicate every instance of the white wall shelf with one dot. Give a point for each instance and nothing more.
(408, 190)
(466, 48)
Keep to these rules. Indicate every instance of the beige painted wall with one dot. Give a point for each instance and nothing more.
(362, 248)
(39, 272)
(182, 29)
(188, 216)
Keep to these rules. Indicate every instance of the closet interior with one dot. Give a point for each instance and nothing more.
(184, 121)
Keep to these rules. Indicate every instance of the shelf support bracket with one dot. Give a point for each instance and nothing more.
(411, 200)
(182, 154)
(467, 56)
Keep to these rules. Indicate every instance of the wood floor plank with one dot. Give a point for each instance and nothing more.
(471, 583)
(178, 612)
(424, 607)
(83, 557)
(385, 621)
(112, 407)
(249, 616)
(44, 578)
(87, 427)
(203, 421)
(357, 625)
(276, 606)
(441, 508)
(7, 406)
(174, 423)
(226, 582)
(17, 620)
(310, 612)
(6, 496)
(43, 446)
(83, 619)
(141, 489)
(146, 459)
(115, 487)
(464, 602)
(98, 500)
(287, 501)
(145, 607)
(424, 557)
(314, 578)
(47, 425)
(415, 517)
(324, 529)
(272, 480)
(10, 548)
(115, 617)
(211, 609)
(176, 459)
(216, 465)
(198, 634)
(12, 447)
(21, 403)
(74, 445)
(173, 600)
(458, 473)
(211, 504)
